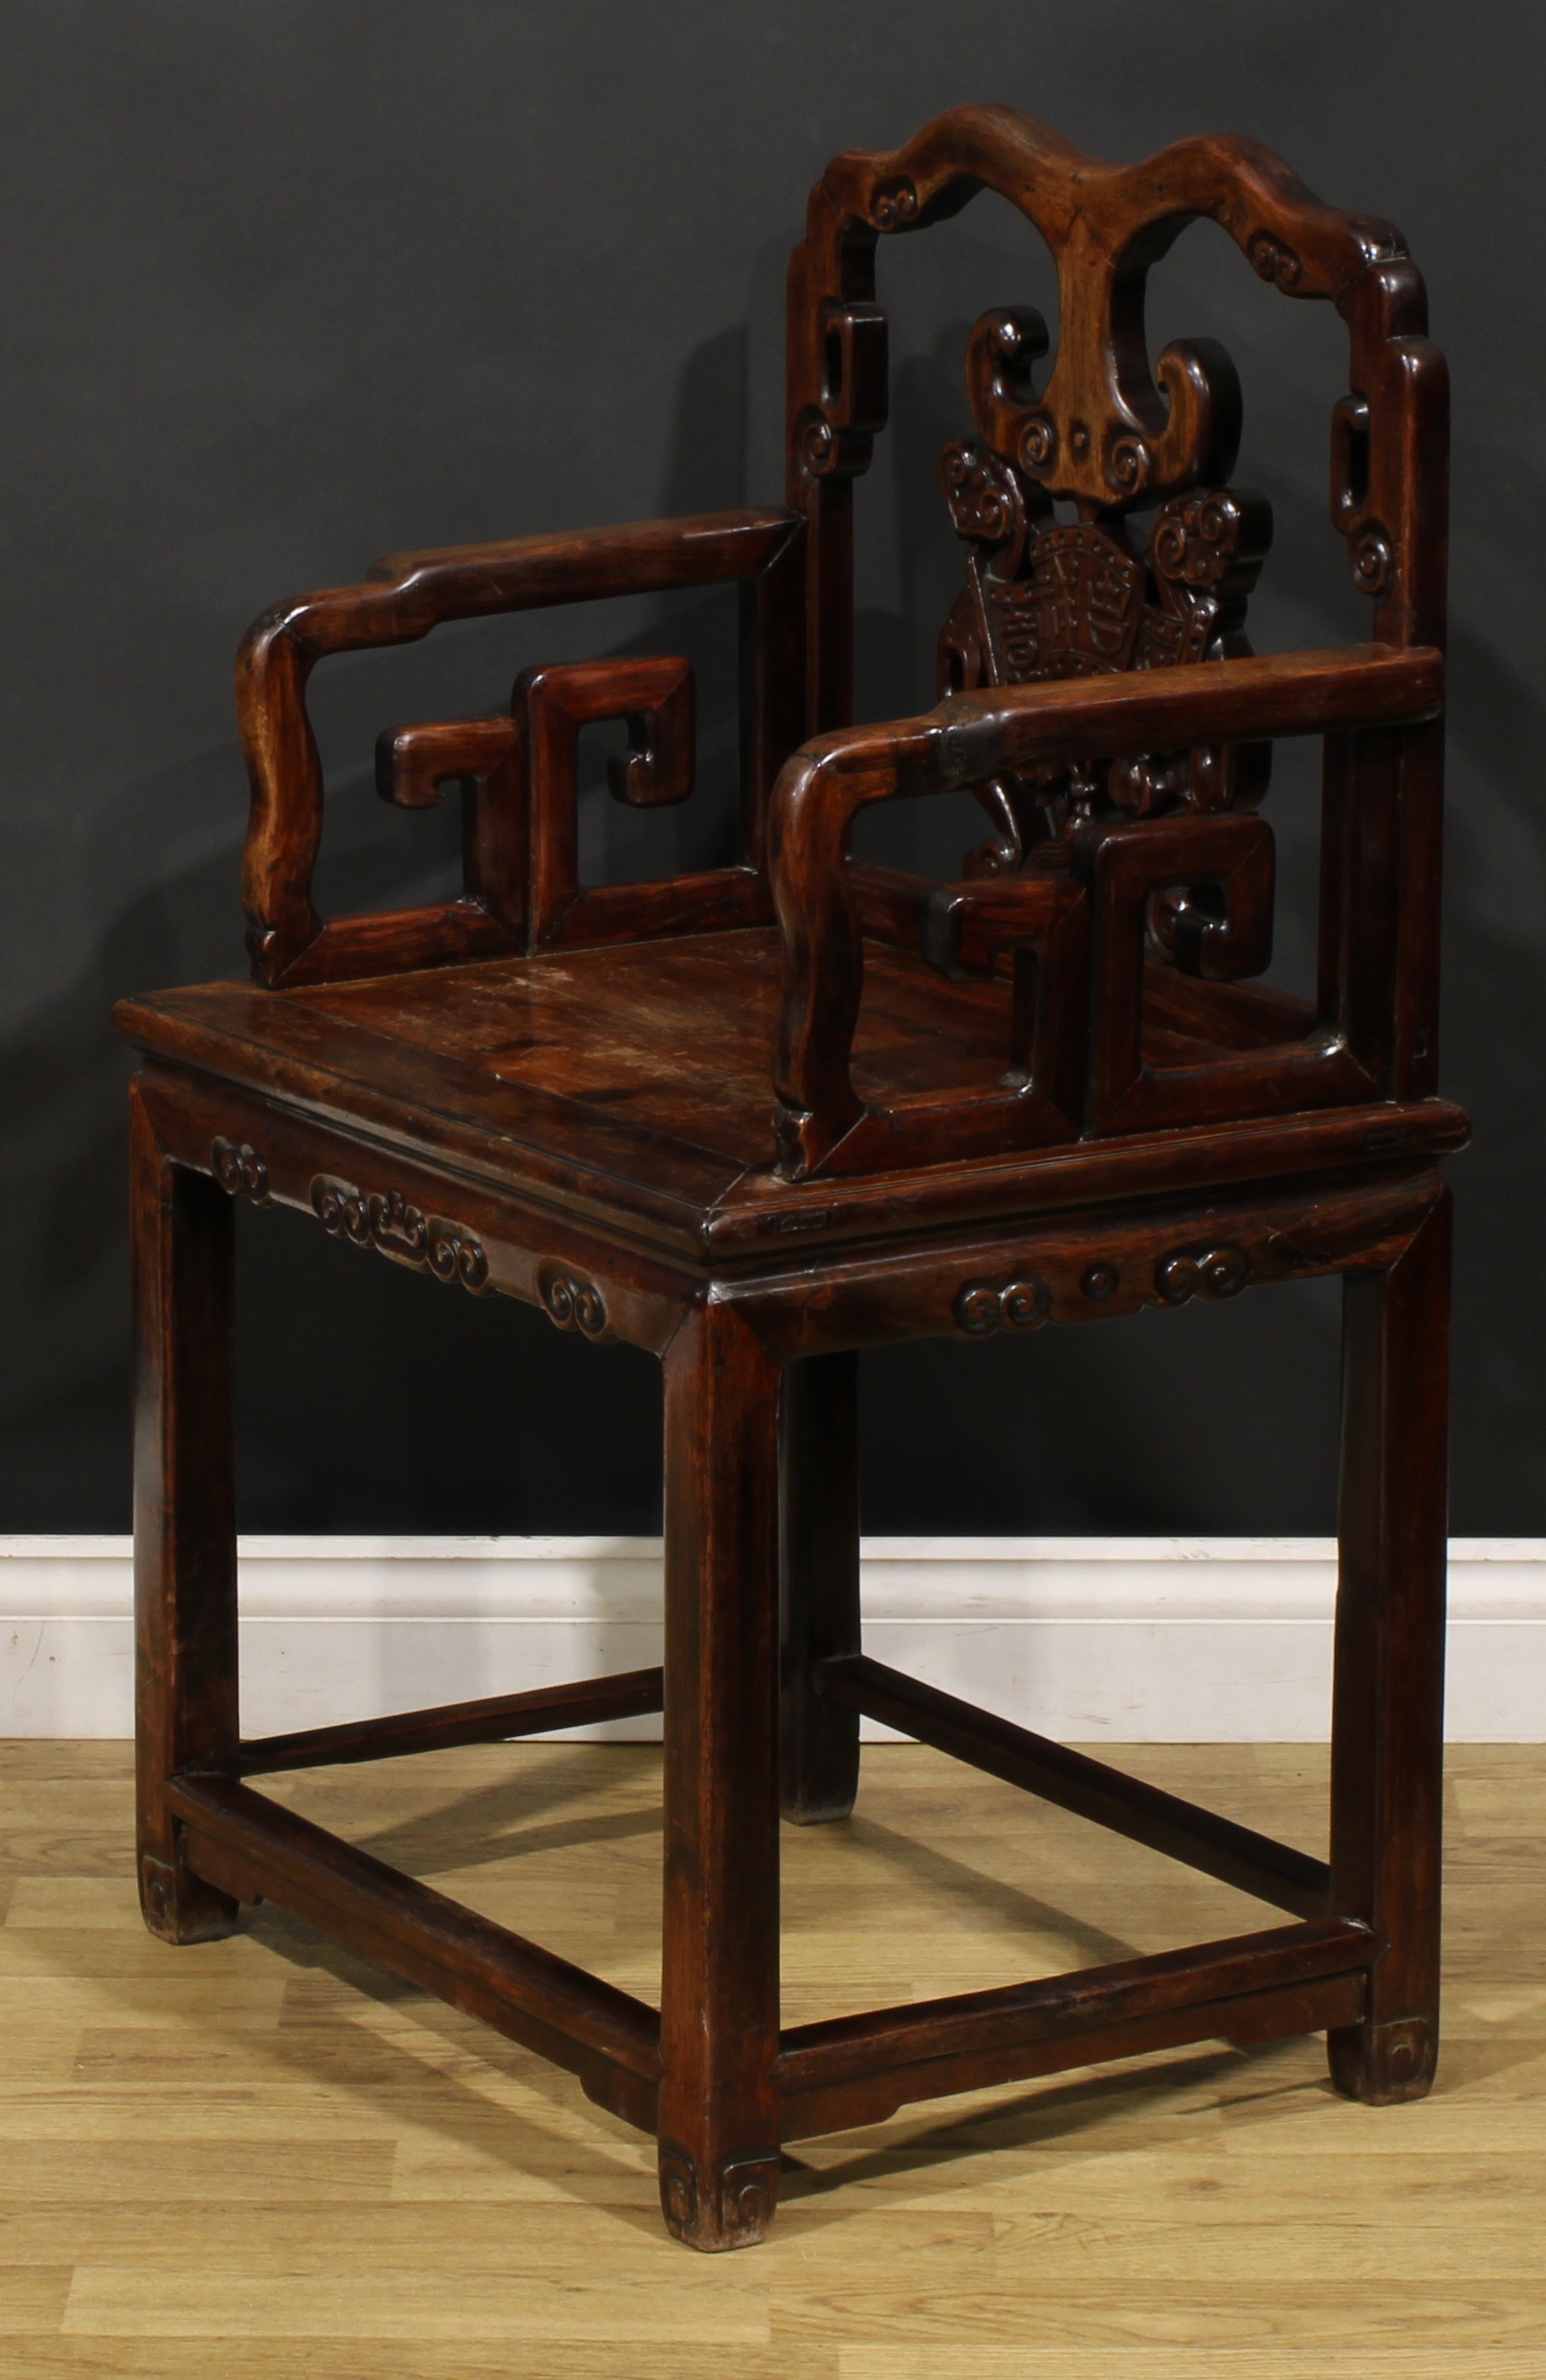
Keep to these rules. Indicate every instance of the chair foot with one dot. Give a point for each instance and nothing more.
(1383, 2064)
(180, 1907)
(730, 2206)
(815, 1808)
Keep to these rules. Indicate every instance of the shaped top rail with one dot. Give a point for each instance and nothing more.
(1291, 237)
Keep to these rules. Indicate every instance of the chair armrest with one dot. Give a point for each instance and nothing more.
(973, 737)
(401, 599)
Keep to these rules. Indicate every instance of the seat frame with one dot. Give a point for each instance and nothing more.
(870, 1227)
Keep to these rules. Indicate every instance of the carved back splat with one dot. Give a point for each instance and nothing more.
(1046, 601)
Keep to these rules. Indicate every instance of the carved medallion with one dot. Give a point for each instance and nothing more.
(1201, 1272)
(983, 1306)
(573, 1304)
(239, 1170)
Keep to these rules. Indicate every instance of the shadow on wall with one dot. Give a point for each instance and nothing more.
(1493, 1013)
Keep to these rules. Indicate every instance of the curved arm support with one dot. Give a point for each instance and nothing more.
(973, 737)
(400, 600)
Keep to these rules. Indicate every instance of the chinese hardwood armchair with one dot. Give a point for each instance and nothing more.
(757, 1117)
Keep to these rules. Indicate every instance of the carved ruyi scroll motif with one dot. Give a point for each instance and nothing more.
(1201, 1272)
(1045, 599)
(982, 1307)
(679, 2186)
(239, 1170)
(1102, 432)
(1025, 1303)
(158, 1892)
(387, 1222)
(573, 1304)
(835, 435)
(749, 2196)
(747, 2193)
(1370, 555)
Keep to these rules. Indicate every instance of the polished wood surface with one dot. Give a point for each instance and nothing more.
(259, 2157)
(756, 1118)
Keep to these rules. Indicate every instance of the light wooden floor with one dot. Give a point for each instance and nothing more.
(259, 2158)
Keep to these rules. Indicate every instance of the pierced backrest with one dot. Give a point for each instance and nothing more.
(1104, 433)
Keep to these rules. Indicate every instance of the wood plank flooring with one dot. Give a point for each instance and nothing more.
(259, 2158)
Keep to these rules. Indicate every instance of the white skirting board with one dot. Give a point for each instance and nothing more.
(1131, 1639)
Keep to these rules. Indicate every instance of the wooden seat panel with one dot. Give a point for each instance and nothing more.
(631, 1083)
(677, 1036)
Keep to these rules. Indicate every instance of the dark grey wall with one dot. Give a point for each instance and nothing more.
(285, 287)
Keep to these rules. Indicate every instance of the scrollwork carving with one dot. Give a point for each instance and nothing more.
(1038, 446)
(1100, 431)
(572, 1303)
(748, 2194)
(1201, 1272)
(678, 2187)
(817, 443)
(1370, 553)
(1127, 465)
(387, 1222)
(982, 1307)
(835, 435)
(1205, 553)
(1047, 600)
(1070, 600)
(1275, 260)
(1371, 561)
(239, 1170)
(894, 204)
(987, 502)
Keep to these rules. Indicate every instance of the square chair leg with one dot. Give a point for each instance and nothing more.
(719, 2130)
(1387, 1722)
(185, 1538)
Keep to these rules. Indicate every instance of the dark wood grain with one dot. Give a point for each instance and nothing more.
(1243, 2019)
(842, 2049)
(718, 1985)
(756, 1118)
(185, 1522)
(1388, 1699)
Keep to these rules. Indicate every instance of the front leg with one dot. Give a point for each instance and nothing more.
(719, 2131)
(1387, 1721)
(185, 1530)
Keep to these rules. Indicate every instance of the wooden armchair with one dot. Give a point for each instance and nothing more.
(757, 1117)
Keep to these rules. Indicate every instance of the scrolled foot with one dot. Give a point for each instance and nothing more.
(731, 2208)
(1383, 2064)
(179, 1906)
